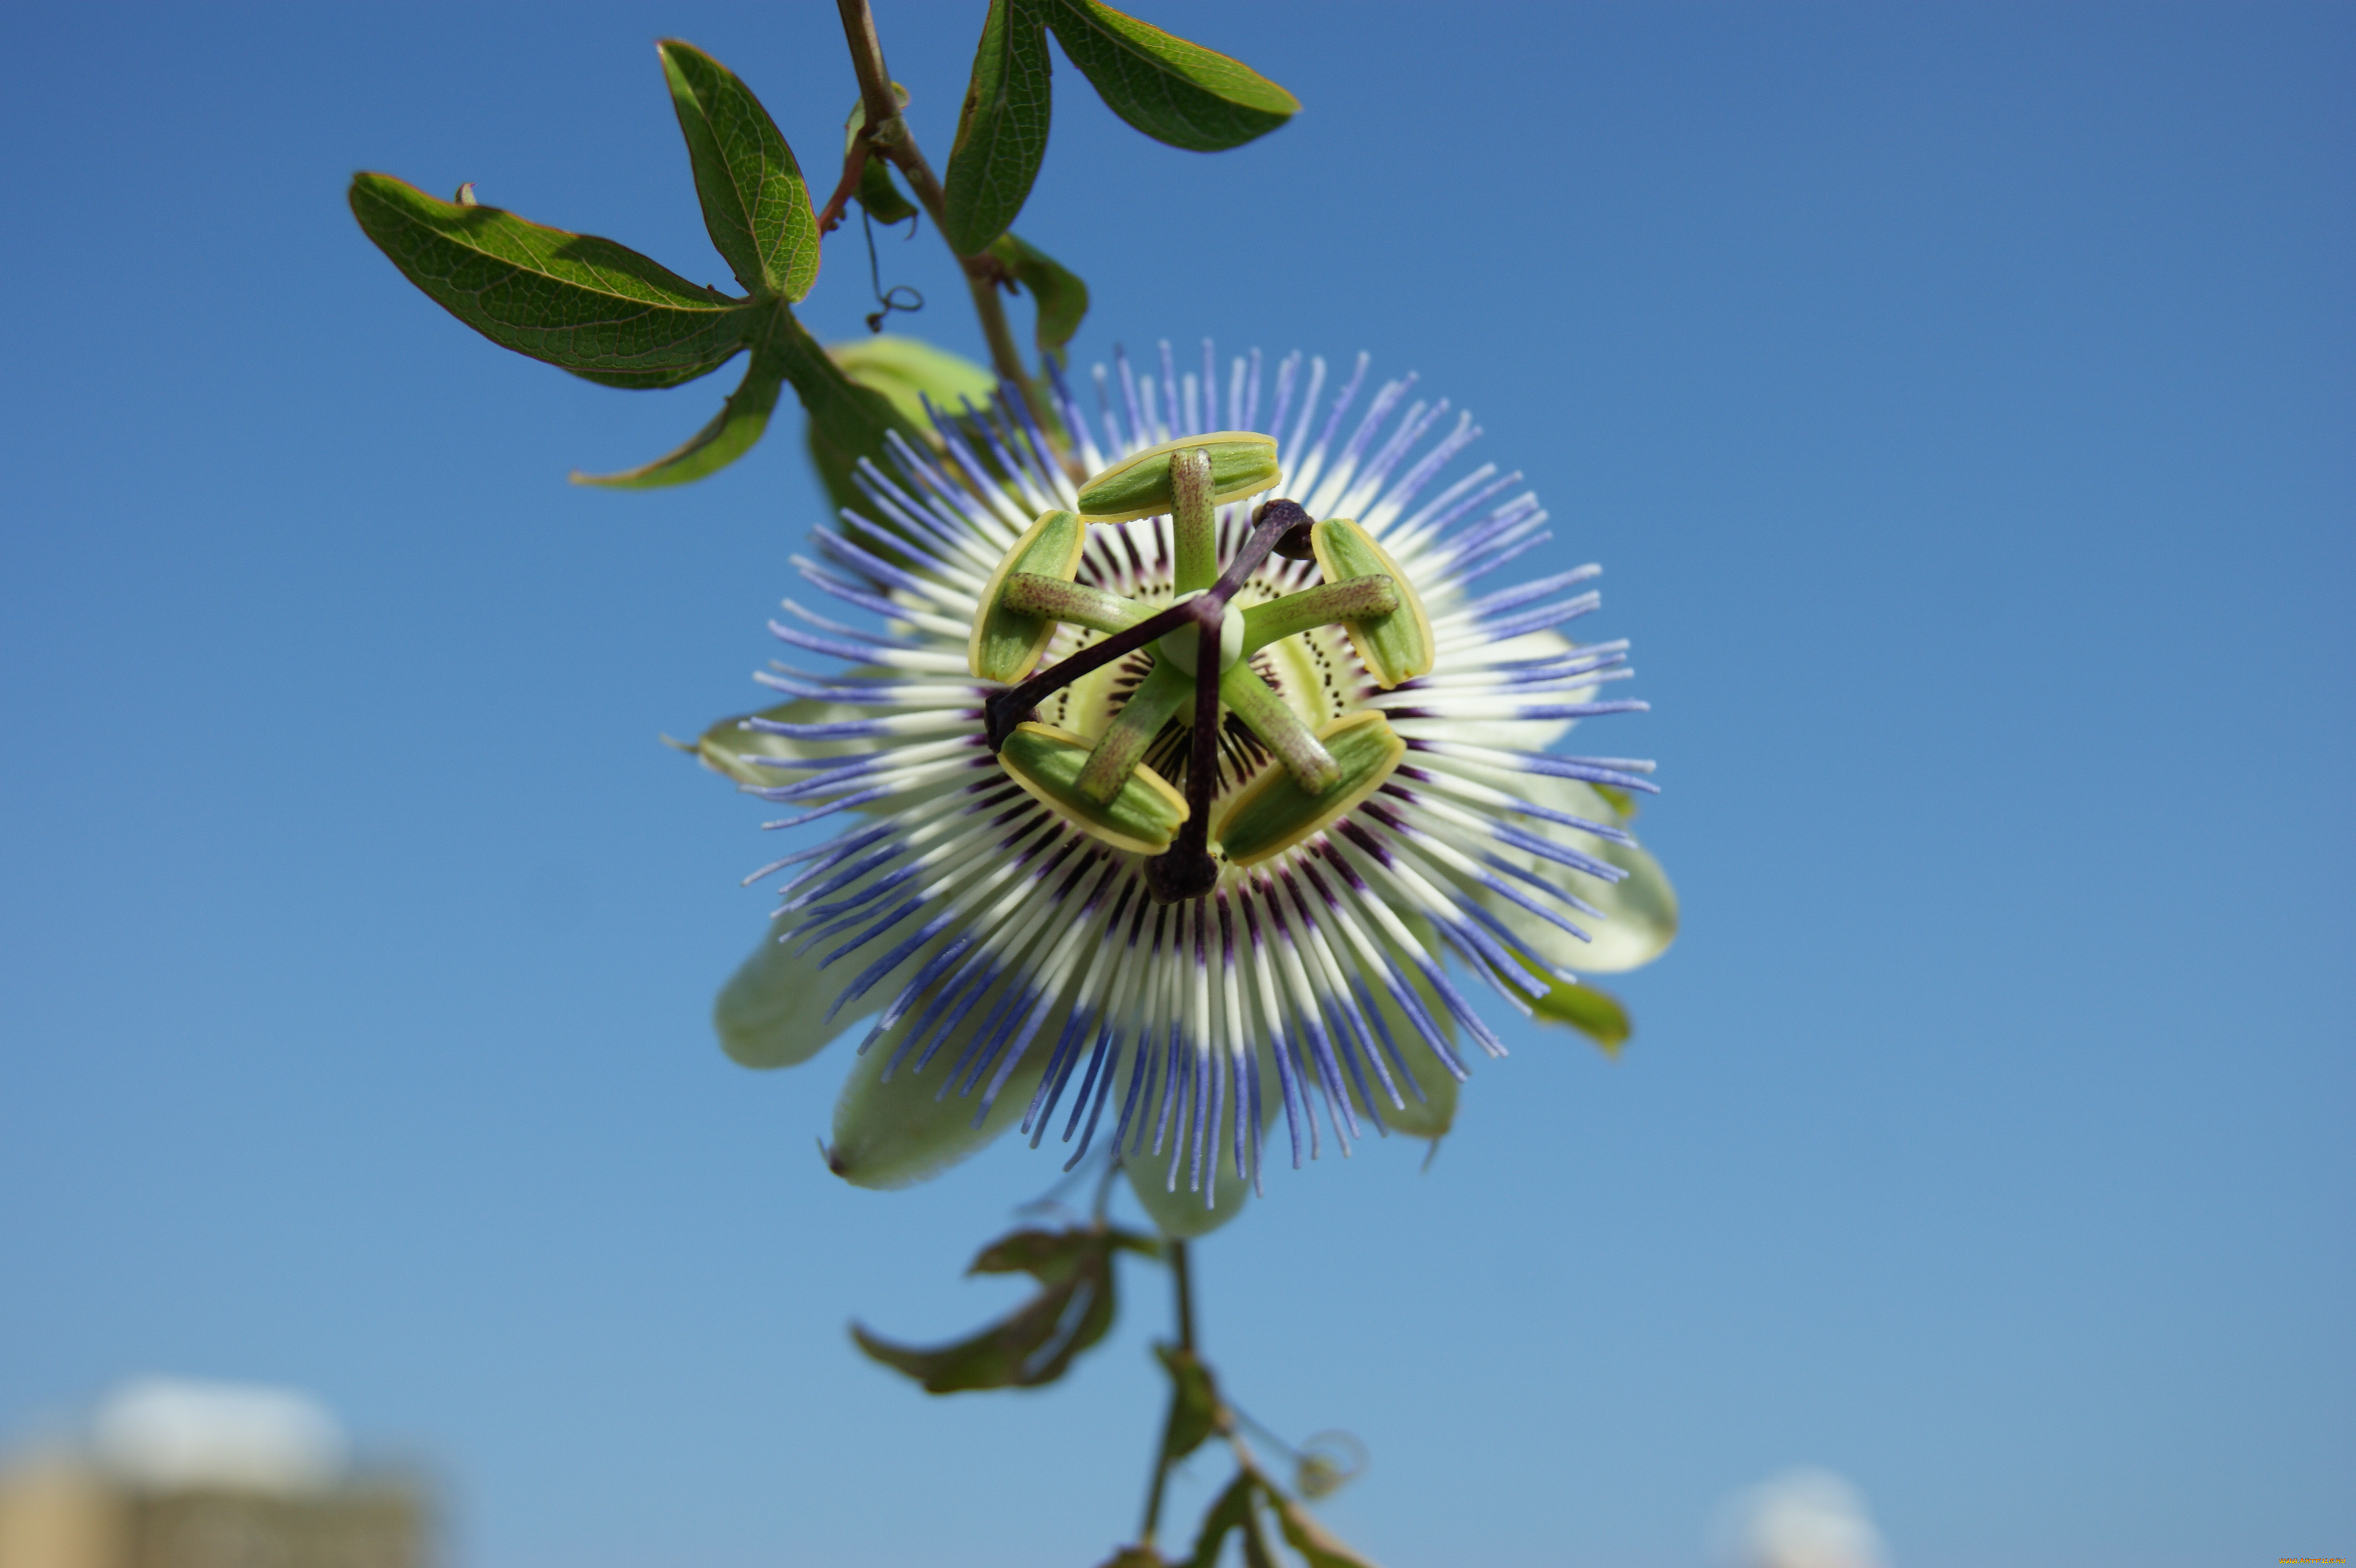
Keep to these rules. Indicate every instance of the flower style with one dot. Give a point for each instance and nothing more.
(1178, 765)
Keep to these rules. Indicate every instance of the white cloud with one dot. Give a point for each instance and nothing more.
(1802, 1518)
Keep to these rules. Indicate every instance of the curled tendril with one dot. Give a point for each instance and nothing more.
(888, 298)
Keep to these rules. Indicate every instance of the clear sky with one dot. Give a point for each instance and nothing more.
(1961, 399)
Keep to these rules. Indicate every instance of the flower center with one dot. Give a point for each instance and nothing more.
(1213, 690)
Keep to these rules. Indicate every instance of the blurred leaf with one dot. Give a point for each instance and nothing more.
(755, 206)
(1172, 90)
(848, 419)
(1035, 1344)
(1623, 803)
(1135, 1557)
(1311, 1539)
(908, 371)
(1001, 132)
(1194, 1401)
(877, 193)
(1061, 299)
(905, 371)
(728, 435)
(583, 304)
(1228, 1513)
(1598, 1014)
(898, 1132)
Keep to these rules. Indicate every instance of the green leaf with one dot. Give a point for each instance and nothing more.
(1315, 1543)
(847, 421)
(583, 304)
(877, 193)
(1061, 299)
(1036, 1343)
(908, 371)
(755, 206)
(1193, 1402)
(903, 370)
(1228, 1513)
(1001, 130)
(1598, 1014)
(1172, 90)
(728, 436)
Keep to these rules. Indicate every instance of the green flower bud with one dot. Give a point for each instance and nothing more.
(1243, 463)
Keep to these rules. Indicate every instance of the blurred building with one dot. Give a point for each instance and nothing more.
(186, 1475)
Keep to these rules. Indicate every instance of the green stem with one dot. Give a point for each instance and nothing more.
(888, 134)
(1193, 520)
(1352, 598)
(1182, 1278)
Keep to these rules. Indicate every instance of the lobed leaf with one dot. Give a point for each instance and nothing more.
(1001, 132)
(1060, 297)
(1175, 91)
(577, 302)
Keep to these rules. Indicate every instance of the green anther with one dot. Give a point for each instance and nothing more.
(1396, 646)
(1073, 604)
(1268, 716)
(1005, 642)
(1243, 463)
(1143, 816)
(1276, 813)
(1123, 744)
(1352, 598)
(1193, 520)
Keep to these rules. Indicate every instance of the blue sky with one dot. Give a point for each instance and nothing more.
(1961, 399)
